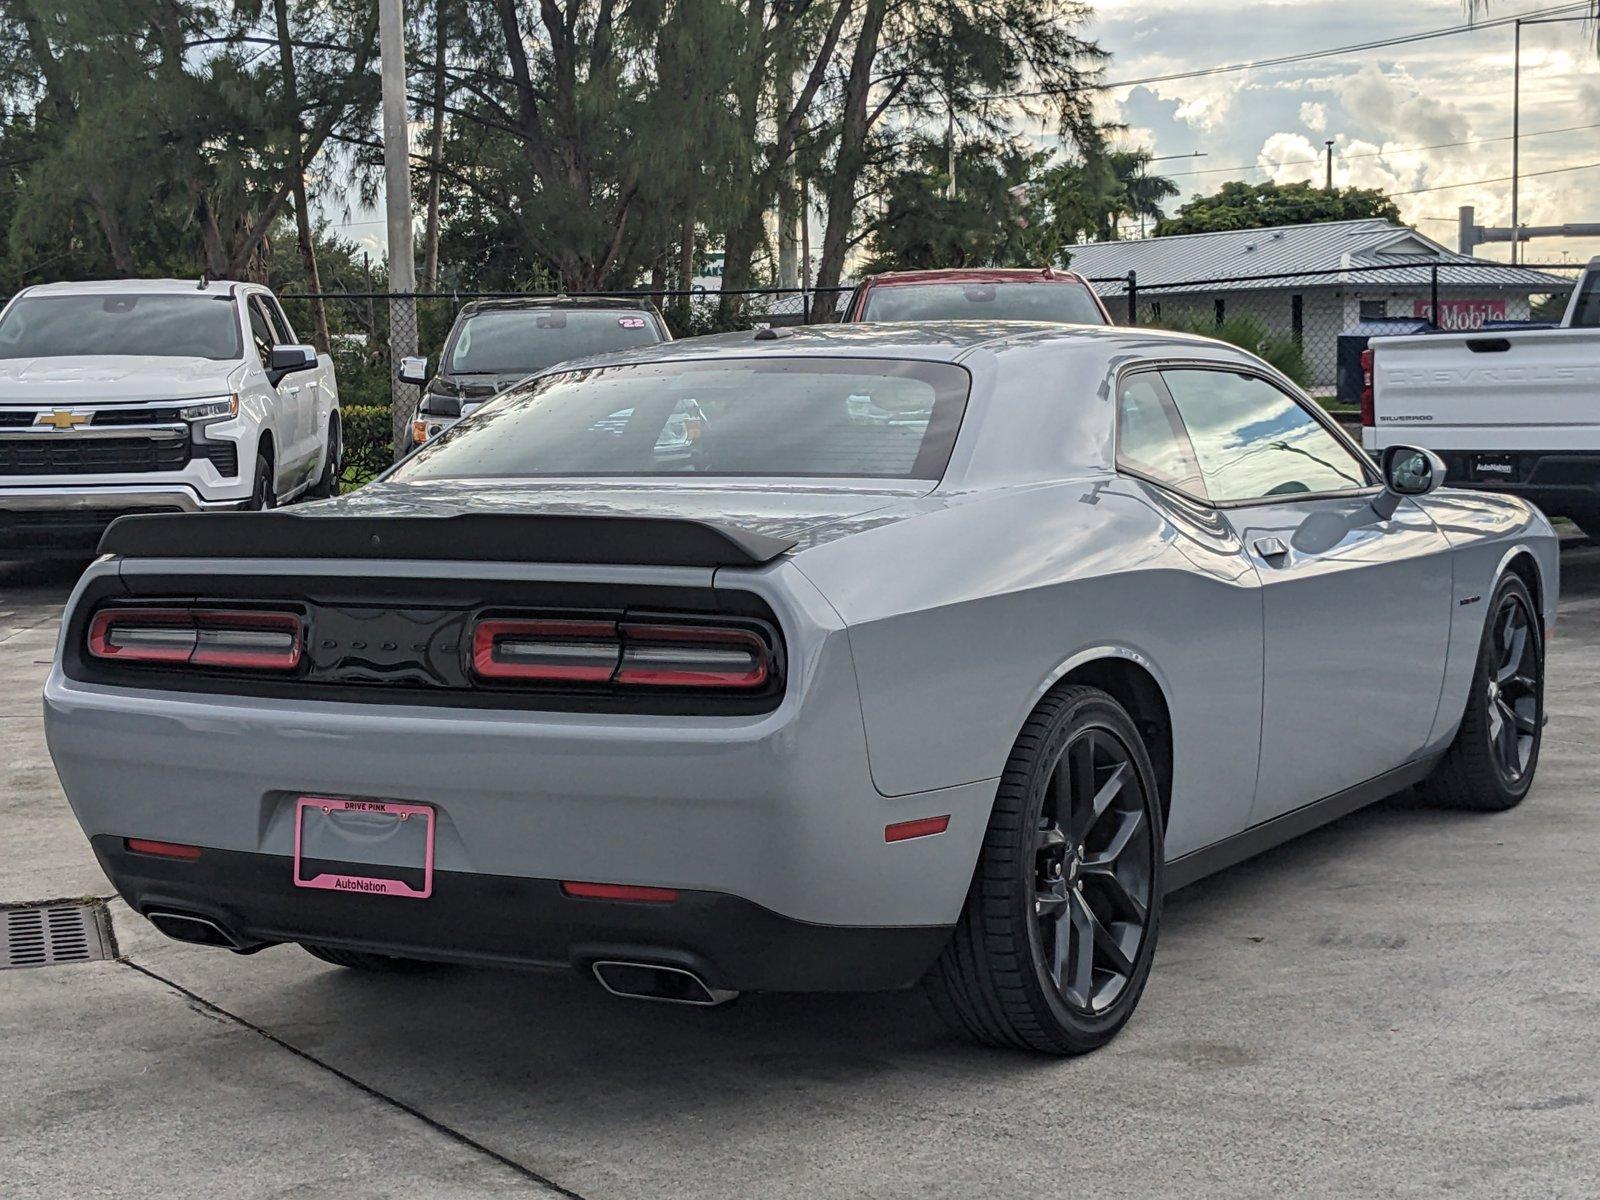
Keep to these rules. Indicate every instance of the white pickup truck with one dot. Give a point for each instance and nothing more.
(1509, 411)
(154, 396)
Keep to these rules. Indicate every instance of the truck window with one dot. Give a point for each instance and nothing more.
(1587, 313)
(261, 330)
(159, 325)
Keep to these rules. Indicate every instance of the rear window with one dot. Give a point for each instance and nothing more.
(790, 417)
(1067, 303)
(529, 340)
(1587, 313)
(160, 326)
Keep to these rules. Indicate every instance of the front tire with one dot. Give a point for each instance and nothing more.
(1054, 945)
(327, 483)
(264, 492)
(1490, 765)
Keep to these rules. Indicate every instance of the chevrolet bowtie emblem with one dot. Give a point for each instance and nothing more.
(63, 418)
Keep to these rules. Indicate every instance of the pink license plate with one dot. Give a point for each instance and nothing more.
(376, 847)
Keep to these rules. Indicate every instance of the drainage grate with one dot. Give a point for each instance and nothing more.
(41, 935)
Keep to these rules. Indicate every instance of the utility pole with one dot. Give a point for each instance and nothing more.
(1329, 145)
(1516, 126)
(397, 208)
(950, 135)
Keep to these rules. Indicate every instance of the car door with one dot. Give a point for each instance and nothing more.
(1356, 607)
(302, 390)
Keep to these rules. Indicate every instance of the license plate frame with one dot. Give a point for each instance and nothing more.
(365, 884)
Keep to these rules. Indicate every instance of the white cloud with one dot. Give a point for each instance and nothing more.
(1393, 100)
(1314, 115)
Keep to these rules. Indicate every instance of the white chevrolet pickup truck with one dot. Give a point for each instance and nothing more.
(1509, 411)
(151, 395)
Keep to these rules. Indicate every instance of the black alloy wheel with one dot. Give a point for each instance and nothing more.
(1514, 695)
(1094, 871)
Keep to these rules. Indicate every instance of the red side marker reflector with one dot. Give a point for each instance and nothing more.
(619, 891)
(902, 831)
(163, 849)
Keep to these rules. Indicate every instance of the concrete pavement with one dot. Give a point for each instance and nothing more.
(1402, 1004)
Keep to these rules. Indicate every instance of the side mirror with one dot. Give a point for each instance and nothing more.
(414, 370)
(1407, 471)
(435, 405)
(281, 360)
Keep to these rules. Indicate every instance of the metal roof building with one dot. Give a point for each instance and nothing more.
(1341, 253)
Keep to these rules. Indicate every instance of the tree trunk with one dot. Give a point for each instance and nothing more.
(850, 161)
(430, 237)
(686, 270)
(297, 172)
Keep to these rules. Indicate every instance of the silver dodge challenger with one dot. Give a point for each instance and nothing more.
(947, 652)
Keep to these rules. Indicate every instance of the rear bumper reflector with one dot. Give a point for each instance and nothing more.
(902, 831)
(619, 891)
(162, 849)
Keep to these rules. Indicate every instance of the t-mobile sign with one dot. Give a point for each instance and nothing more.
(1462, 314)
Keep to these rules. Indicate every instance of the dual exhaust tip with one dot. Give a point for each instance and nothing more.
(653, 981)
(631, 980)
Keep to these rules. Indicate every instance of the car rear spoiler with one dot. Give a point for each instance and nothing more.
(465, 537)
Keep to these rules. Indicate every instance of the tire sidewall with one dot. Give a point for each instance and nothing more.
(262, 497)
(1095, 710)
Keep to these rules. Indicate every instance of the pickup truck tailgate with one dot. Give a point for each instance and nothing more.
(1536, 389)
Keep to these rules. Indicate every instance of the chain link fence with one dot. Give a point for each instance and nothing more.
(1311, 325)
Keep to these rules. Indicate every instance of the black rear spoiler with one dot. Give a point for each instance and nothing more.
(466, 537)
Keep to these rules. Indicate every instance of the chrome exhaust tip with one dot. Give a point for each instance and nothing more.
(653, 981)
(200, 931)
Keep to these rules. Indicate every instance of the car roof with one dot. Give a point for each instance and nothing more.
(933, 341)
(531, 303)
(975, 275)
(123, 287)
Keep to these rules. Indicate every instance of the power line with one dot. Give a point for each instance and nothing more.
(1445, 187)
(1304, 56)
(1384, 153)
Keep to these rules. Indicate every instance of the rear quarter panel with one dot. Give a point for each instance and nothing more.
(961, 618)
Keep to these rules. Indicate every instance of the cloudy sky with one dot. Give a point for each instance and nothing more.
(1377, 105)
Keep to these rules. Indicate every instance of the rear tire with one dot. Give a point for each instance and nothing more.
(1054, 945)
(365, 960)
(327, 483)
(1490, 765)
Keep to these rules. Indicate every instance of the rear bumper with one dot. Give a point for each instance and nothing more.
(497, 920)
(1561, 482)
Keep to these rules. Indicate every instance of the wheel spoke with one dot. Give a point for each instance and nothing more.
(1080, 762)
(1062, 939)
(1132, 906)
(1107, 942)
(1080, 983)
(1127, 828)
(1049, 901)
(1109, 791)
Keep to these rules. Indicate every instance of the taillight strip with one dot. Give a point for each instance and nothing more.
(627, 654)
(246, 639)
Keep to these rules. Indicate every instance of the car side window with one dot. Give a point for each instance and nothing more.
(1151, 439)
(261, 330)
(1254, 441)
(280, 322)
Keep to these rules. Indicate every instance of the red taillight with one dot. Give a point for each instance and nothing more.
(162, 849)
(630, 654)
(620, 891)
(692, 656)
(201, 637)
(1367, 417)
(902, 831)
(546, 651)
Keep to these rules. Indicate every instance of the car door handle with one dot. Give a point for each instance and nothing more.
(1271, 548)
(294, 391)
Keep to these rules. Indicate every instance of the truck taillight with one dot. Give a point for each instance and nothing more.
(627, 654)
(244, 639)
(1367, 417)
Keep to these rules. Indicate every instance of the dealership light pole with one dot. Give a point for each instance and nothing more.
(397, 209)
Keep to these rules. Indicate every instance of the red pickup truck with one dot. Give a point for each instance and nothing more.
(977, 294)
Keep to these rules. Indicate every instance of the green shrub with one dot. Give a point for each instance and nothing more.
(368, 443)
(1281, 350)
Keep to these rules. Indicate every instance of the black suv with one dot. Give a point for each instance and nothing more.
(496, 343)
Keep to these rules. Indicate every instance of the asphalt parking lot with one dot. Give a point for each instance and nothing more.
(1403, 1004)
